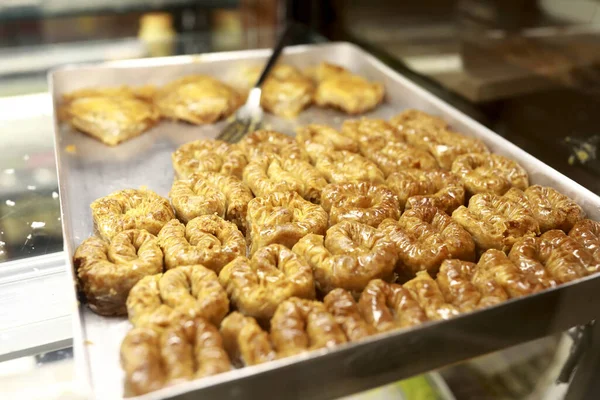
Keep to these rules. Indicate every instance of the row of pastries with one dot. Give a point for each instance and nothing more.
(279, 245)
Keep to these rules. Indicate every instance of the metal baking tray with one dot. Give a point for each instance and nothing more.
(88, 170)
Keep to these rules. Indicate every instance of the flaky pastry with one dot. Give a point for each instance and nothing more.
(497, 222)
(552, 209)
(365, 129)
(107, 271)
(318, 139)
(345, 311)
(392, 157)
(271, 173)
(302, 325)
(197, 99)
(187, 349)
(208, 155)
(361, 202)
(245, 341)
(264, 142)
(435, 188)
(257, 286)
(130, 209)
(587, 232)
(284, 218)
(489, 173)
(190, 291)
(424, 236)
(388, 306)
(344, 166)
(348, 256)
(429, 296)
(208, 240)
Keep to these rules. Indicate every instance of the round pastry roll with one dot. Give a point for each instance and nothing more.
(272, 173)
(365, 129)
(411, 121)
(208, 240)
(263, 142)
(283, 218)
(489, 173)
(552, 209)
(587, 232)
(341, 304)
(211, 193)
(187, 349)
(348, 256)
(245, 341)
(208, 155)
(497, 222)
(197, 99)
(435, 188)
(257, 286)
(344, 166)
(429, 296)
(396, 156)
(361, 201)
(424, 237)
(108, 270)
(318, 139)
(388, 306)
(130, 209)
(301, 325)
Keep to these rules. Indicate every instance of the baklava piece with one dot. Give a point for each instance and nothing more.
(497, 222)
(197, 99)
(318, 139)
(429, 296)
(424, 237)
(190, 291)
(186, 350)
(130, 209)
(207, 240)
(263, 142)
(110, 115)
(587, 232)
(301, 325)
(283, 218)
(344, 166)
(392, 157)
(341, 304)
(361, 202)
(434, 188)
(489, 173)
(208, 193)
(108, 270)
(388, 306)
(274, 274)
(552, 209)
(365, 129)
(271, 173)
(348, 256)
(245, 341)
(208, 155)
(339, 88)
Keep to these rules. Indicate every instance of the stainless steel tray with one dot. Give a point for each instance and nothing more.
(88, 170)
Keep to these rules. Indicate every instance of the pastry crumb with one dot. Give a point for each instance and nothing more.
(71, 149)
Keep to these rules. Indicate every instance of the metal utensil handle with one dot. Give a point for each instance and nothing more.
(274, 56)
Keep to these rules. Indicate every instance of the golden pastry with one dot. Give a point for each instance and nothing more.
(348, 256)
(207, 193)
(552, 209)
(388, 306)
(495, 265)
(186, 350)
(489, 173)
(264, 142)
(435, 188)
(318, 139)
(426, 236)
(497, 222)
(415, 122)
(245, 341)
(361, 202)
(392, 157)
(587, 232)
(301, 325)
(343, 166)
(208, 240)
(257, 286)
(429, 296)
(107, 271)
(338, 88)
(286, 91)
(192, 291)
(130, 209)
(284, 218)
(345, 311)
(197, 99)
(365, 129)
(208, 155)
(271, 173)
(110, 115)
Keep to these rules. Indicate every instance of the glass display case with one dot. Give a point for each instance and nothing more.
(525, 69)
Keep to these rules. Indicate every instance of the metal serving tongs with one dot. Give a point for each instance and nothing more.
(248, 117)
